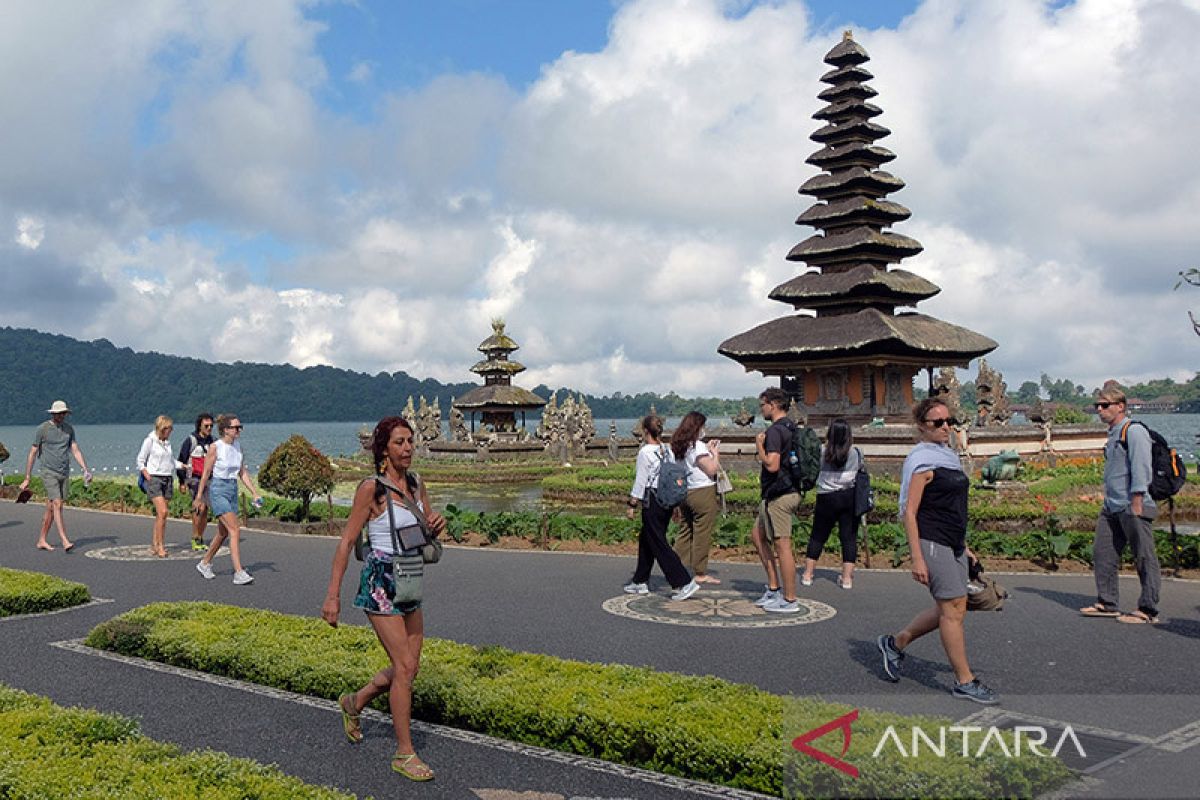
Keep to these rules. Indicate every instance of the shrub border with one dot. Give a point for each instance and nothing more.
(40, 593)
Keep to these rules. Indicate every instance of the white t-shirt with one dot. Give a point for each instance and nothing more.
(229, 460)
(696, 477)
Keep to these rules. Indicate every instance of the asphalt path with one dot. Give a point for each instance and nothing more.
(1130, 690)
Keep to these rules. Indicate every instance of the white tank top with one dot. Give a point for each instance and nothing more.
(377, 529)
(229, 460)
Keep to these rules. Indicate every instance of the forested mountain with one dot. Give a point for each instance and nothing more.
(107, 384)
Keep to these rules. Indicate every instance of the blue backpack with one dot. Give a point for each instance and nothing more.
(672, 481)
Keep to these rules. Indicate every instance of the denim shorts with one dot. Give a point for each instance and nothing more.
(223, 496)
(377, 587)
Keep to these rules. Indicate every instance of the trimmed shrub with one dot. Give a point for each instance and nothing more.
(297, 470)
(30, 592)
(697, 727)
(51, 752)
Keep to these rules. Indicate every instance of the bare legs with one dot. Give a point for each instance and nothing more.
(401, 637)
(157, 546)
(227, 527)
(785, 576)
(199, 523)
(947, 618)
(54, 514)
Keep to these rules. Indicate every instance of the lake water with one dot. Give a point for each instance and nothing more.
(112, 449)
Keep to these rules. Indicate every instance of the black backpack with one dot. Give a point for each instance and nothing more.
(800, 461)
(1168, 472)
(671, 488)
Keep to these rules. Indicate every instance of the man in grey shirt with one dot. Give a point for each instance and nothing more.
(1127, 515)
(54, 443)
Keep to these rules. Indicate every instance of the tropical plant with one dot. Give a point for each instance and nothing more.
(298, 470)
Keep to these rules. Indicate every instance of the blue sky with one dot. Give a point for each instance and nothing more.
(367, 184)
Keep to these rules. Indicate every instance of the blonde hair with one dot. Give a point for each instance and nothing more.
(223, 422)
(161, 424)
(1112, 393)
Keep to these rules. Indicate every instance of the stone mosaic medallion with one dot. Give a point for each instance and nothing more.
(713, 608)
(141, 552)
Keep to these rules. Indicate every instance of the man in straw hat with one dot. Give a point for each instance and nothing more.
(54, 443)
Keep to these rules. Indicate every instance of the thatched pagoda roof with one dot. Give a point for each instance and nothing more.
(864, 283)
(797, 342)
(497, 366)
(499, 397)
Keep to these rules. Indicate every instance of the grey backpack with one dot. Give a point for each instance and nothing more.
(672, 481)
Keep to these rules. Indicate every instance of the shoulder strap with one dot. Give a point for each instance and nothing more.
(1125, 431)
(408, 503)
(396, 550)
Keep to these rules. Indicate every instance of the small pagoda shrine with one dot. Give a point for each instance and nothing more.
(850, 354)
(498, 401)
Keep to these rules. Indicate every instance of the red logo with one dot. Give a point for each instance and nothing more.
(801, 743)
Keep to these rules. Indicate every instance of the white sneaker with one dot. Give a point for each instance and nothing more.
(635, 588)
(241, 578)
(206, 570)
(684, 592)
(769, 595)
(781, 606)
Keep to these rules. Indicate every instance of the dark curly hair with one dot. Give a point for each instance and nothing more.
(383, 434)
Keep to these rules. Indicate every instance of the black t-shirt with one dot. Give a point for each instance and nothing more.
(779, 436)
(942, 515)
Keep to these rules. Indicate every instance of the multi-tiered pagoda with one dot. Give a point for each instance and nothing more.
(498, 401)
(856, 358)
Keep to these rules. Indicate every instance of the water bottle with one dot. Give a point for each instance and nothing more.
(258, 502)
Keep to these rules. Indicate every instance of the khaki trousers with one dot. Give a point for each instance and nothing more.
(699, 512)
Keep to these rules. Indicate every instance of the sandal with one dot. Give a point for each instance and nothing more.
(350, 722)
(402, 763)
(1097, 610)
(1138, 618)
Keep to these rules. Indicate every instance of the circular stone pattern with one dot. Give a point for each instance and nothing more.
(141, 552)
(713, 608)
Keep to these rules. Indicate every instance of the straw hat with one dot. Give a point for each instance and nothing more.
(59, 407)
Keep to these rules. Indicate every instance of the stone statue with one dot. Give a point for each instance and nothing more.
(991, 397)
(458, 425)
(1001, 467)
(366, 438)
(409, 412)
(946, 388)
(744, 418)
(613, 449)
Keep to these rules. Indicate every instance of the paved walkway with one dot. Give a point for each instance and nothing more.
(1129, 691)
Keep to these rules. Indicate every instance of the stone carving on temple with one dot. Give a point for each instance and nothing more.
(991, 398)
(947, 389)
(743, 418)
(458, 425)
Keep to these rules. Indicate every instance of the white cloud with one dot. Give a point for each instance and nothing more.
(30, 232)
(361, 72)
(626, 212)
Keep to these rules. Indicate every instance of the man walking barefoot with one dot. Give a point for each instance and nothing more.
(54, 443)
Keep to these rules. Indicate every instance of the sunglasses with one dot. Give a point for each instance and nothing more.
(1104, 404)
(236, 427)
(937, 423)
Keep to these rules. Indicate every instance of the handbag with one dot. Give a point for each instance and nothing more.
(408, 571)
(864, 495)
(983, 593)
(724, 487)
(429, 545)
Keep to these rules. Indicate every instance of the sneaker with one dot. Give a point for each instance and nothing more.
(975, 691)
(769, 595)
(635, 588)
(781, 606)
(206, 570)
(684, 592)
(198, 546)
(892, 657)
(241, 578)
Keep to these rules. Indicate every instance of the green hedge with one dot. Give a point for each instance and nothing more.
(30, 592)
(698, 727)
(48, 752)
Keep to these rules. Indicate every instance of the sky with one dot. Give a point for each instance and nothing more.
(367, 184)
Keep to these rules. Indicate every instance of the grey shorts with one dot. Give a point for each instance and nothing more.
(161, 486)
(57, 487)
(947, 572)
